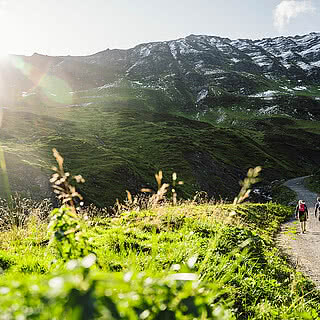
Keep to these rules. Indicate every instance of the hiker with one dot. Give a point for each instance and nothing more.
(317, 208)
(302, 214)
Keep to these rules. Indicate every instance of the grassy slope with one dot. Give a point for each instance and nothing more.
(120, 140)
(117, 147)
(122, 149)
(313, 182)
(231, 249)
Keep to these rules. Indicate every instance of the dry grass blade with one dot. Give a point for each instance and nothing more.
(252, 177)
(159, 177)
(18, 211)
(61, 184)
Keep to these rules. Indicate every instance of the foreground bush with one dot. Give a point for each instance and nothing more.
(84, 294)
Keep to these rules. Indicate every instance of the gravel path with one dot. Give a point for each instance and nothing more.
(303, 249)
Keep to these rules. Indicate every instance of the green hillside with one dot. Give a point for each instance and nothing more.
(120, 148)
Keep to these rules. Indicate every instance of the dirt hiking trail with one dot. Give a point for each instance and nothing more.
(303, 249)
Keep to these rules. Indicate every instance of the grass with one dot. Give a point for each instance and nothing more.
(313, 182)
(118, 149)
(204, 261)
(282, 194)
(230, 248)
(127, 133)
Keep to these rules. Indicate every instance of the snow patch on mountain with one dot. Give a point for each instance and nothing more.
(173, 49)
(315, 63)
(311, 50)
(110, 85)
(222, 115)
(139, 83)
(269, 110)
(184, 47)
(202, 94)
(286, 54)
(240, 44)
(59, 64)
(79, 105)
(304, 65)
(139, 62)
(265, 94)
(145, 51)
(93, 97)
(235, 60)
(261, 60)
(150, 85)
(224, 47)
(198, 65)
(300, 88)
(286, 88)
(311, 116)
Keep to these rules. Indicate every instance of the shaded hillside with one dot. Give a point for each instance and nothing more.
(119, 148)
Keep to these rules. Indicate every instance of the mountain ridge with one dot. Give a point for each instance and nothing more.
(186, 70)
(166, 41)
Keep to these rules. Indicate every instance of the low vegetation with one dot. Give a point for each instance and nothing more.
(282, 194)
(183, 262)
(195, 260)
(313, 182)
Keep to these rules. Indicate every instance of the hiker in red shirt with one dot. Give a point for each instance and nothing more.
(302, 214)
(317, 209)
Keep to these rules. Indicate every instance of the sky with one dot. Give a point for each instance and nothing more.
(83, 27)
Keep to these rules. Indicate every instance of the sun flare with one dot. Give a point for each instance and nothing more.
(3, 52)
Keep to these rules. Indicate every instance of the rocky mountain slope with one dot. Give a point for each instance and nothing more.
(191, 73)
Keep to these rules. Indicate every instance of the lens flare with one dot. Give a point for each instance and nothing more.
(55, 89)
(5, 178)
(3, 167)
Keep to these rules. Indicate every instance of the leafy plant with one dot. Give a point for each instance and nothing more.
(83, 294)
(68, 234)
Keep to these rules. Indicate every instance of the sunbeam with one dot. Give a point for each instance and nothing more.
(3, 166)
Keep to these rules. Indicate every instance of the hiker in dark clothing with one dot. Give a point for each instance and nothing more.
(317, 209)
(302, 214)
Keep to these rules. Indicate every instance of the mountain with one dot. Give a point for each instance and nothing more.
(203, 106)
(190, 73)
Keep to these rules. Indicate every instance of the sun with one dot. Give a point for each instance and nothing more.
(3, 52)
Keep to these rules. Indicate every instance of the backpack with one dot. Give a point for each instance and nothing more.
(302, 207)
